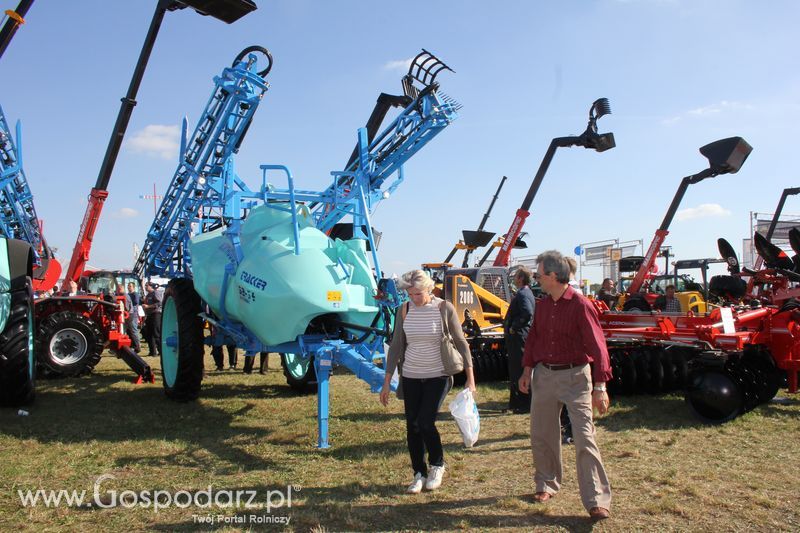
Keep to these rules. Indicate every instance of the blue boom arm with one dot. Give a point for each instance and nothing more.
(204, 160)
(17, 215)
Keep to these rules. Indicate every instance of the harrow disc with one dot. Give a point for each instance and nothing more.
(669, 378)
(656, 371)
(714, 396)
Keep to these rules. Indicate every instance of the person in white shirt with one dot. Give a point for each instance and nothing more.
(416, 351)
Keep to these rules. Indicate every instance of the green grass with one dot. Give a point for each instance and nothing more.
(250, 432)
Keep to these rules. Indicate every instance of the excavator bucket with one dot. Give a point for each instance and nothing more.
(423, 69)
(729, 255)
(727, 156)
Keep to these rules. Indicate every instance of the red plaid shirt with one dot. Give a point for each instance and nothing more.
(567, 331)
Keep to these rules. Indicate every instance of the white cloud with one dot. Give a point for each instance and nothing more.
(158, 140)
(125, 212)
(702, 211)
(401, 64)
(711, 110)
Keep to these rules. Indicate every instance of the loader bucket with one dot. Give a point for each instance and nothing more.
(727, 156)
(477, 239)
(794, 240)
(773, 256)
(228, 11)
(727, 252)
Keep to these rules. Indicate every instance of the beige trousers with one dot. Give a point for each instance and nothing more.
(573, 389)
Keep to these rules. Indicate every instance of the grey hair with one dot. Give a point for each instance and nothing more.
(553, 261)
(418, 279)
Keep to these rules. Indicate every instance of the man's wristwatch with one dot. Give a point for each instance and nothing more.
(600, 388)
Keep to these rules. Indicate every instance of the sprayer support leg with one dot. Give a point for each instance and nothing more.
(323, 361)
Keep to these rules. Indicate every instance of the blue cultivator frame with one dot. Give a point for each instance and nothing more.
(206, 193)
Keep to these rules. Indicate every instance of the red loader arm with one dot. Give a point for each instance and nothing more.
(511, 238)
(83, 245)
(649, 261)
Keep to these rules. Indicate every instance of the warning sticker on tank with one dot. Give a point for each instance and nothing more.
(334, 296)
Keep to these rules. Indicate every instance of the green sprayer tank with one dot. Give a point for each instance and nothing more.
(276, 293)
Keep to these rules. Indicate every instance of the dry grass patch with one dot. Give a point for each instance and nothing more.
(251, 433)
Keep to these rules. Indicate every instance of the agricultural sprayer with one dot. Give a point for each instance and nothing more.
(264, 266)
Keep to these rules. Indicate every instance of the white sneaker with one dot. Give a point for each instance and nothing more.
(435, 475)
(416, 484)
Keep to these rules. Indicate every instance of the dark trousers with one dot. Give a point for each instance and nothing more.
(422, 398)
(515, 346)
(152, 324)
(132, 330)
(250, 361)
(216, 353)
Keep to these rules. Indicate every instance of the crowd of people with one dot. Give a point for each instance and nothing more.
(558, 366)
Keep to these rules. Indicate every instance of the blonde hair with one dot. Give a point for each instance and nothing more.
(418, 279)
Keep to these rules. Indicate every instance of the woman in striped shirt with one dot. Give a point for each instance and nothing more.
(416, 352)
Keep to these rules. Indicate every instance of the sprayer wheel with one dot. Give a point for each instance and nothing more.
(182, 348)
(17, 367)
(299, 372)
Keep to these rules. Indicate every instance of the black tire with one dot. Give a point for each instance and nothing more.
(17, 370)
(299, 377)
(182, 349)
(69, 343)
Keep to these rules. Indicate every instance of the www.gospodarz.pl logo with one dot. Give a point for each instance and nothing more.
(157, 499)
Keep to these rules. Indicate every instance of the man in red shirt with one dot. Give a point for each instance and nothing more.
(566, 351)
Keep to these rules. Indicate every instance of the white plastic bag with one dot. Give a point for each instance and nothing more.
(464, 410)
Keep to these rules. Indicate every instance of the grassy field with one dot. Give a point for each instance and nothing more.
(251, 433)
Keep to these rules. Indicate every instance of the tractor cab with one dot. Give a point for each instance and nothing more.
(692, 295)
(105, 282)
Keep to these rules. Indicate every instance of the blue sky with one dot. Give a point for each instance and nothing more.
(679, 74)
